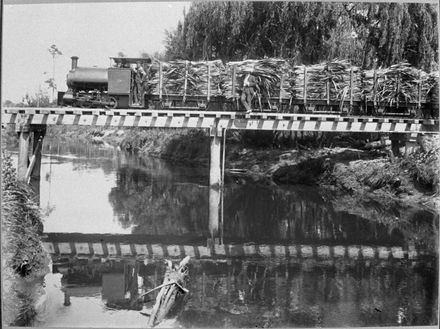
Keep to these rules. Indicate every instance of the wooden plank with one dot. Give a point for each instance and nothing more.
(351, 88)
(68, 119)
(209, 81)
(374, 88)
(86, 120)
(39, 118)
(23, 155)
(130, 121)
(185, 83)
(234, 73)
(101, 121)
(281, 88)
(305, 85)
(327, 85)
(160, 80)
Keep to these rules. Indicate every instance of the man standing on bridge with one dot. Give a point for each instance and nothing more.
(139, 77)
(250, 88)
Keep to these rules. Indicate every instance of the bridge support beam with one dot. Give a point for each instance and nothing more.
(215, 182)
(28, 170)
(34, 170)
(24, 134)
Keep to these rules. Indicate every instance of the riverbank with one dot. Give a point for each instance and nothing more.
(359, 168)
(24, 261)
(343, 164)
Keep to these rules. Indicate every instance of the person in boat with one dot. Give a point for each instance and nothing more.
(249, 90)
(139, 78)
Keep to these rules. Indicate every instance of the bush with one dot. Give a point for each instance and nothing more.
(24, 260)
(423, 168)
(21, 223)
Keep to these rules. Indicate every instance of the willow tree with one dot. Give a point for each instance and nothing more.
(309, 32)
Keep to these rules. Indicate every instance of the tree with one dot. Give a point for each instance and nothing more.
(40, 99)
(364, 33)
(54, 51)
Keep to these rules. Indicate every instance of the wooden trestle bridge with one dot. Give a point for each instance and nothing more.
(31, 123)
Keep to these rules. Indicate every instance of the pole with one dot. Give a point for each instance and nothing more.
(222, 185)
(215, 157)
(53, 77)
(215, 180)
(35, 172)
(23, 153)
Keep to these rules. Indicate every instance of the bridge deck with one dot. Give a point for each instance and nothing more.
(209, 119)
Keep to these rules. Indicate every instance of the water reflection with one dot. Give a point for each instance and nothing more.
(157, 201)
(291, 293)
(95, 189)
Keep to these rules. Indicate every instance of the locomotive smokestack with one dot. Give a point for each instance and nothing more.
(74, 62)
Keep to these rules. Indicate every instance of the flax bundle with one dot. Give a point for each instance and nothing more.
(274, 76)
(429, 82)
(399, 83)
(336, 73)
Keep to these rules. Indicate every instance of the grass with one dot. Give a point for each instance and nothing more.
(24, 261)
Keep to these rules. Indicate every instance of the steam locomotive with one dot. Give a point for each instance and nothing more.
(114, 88)
(91, 87)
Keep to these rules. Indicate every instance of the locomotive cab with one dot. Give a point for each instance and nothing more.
(123, 84)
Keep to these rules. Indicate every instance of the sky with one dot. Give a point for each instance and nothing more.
(92, 31)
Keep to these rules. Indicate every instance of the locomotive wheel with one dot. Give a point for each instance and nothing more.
(112, 103)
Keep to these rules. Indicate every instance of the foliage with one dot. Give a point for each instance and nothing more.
(40, 99)
(54, 51)
(24, 261)
(21, 220)
(367, 34)
(423, 168)
(51, 83)
(190, 146)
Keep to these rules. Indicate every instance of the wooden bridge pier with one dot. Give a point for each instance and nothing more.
(30, 142)
(215, 180)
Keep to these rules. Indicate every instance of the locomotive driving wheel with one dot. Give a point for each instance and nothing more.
(111, 103)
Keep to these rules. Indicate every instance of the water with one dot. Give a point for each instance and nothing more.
(92, 189)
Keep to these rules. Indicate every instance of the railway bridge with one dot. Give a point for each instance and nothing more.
(30, 124)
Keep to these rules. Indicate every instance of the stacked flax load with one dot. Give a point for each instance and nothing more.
(185, 78)
(335, 80)
(274, 76)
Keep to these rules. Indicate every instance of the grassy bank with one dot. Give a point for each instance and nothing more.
(24, 261)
